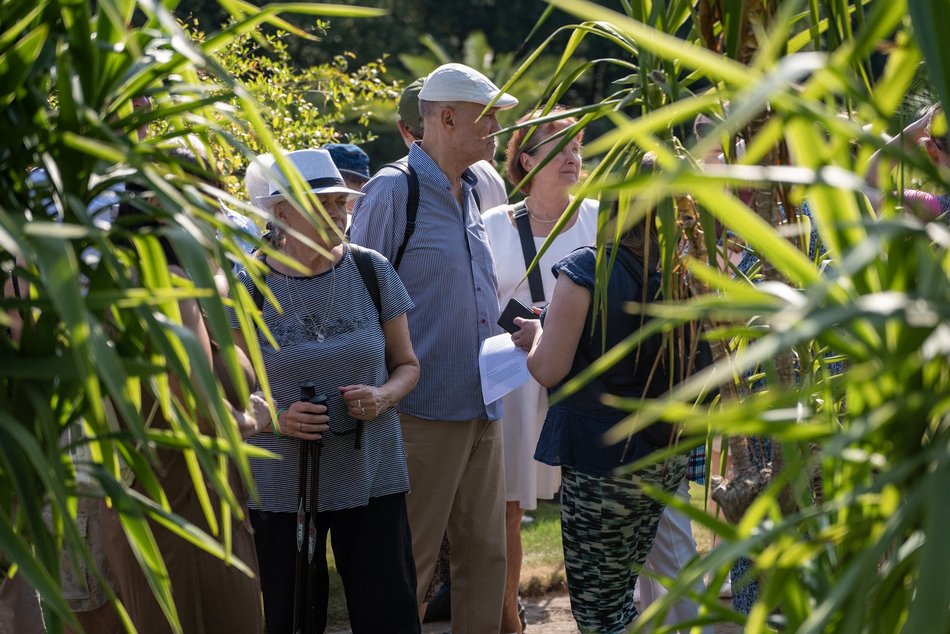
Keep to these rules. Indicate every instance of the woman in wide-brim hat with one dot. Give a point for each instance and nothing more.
(331, 332)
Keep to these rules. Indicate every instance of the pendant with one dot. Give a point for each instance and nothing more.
(320, 336)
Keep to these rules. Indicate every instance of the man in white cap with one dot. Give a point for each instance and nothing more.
(490, 188)
(452, 439)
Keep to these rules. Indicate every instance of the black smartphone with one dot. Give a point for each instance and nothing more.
(512, 310)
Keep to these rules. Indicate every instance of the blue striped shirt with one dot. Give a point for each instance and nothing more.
(447, 269)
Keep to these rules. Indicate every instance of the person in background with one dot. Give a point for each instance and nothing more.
(936, 144)
(353, 164)
(453, 439)
(607, 522)
(547, 199)
(200, 582)
(673, 548)
(330, 332)
(85, 594)
(489, 185)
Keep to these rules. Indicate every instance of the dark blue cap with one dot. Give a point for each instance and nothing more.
(350, 160)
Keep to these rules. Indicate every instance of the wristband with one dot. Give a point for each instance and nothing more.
(276, 422)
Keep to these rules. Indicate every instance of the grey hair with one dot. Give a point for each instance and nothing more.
(428, 108)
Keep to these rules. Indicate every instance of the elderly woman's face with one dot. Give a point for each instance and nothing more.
(564, 169)
(335, 206)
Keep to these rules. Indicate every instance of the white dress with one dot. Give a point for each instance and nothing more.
(526, 480)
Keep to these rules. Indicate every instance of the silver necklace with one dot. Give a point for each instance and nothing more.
(536, 219)
(320, 331)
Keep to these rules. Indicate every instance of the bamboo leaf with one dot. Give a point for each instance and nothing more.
(16, 62)
(664, 45)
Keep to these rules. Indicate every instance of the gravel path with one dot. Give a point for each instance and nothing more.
(550, 614)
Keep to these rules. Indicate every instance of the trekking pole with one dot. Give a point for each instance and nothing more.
(315, 447)
(301, 524)
(303, 589)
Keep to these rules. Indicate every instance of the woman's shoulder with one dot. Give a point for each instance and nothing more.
(586, 223)
(578, 265)
(589, 206)
(499, 214)
(580, 256)
(498, 222)
(356, 250)
(381, 265)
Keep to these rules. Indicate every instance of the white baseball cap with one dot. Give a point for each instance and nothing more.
(458, 82)
(266, 183)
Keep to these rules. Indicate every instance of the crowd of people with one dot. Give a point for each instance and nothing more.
(386, 445)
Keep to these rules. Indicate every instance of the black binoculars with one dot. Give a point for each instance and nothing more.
(308, 393)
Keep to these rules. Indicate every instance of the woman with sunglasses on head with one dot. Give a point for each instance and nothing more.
(343, 334)
(547, 198)
(934, 140)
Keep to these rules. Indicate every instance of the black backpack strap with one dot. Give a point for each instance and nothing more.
(478, 199)
(257, 295)
(364, 262)
(523, 222)
(412, 206)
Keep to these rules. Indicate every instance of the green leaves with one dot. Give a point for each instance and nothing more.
(111, 365)
(844, 284)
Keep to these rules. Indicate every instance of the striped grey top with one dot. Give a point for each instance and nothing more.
(353, 351)
(447, 269)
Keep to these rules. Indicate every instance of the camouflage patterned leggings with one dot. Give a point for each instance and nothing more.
(607, 528)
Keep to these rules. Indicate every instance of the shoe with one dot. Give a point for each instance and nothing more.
(522, 614)
(725, 592)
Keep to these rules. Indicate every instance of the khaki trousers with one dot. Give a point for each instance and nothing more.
(457, 480)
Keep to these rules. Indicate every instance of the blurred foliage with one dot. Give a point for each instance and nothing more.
(420, 34)
(846, 533)
(103, 334)
(303, 107)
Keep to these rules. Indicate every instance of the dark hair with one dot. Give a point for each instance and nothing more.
(642, 238)
(133, 214)
(514, 170)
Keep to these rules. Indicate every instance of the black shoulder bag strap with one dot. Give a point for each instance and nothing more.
(257, 295)
(364, 262)
(523, 222)
(412, 206)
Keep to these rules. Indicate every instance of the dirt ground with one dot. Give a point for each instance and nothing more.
(550, 614)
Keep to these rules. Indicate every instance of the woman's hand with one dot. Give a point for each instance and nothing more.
(255, 419)
(304, 420)
(528, 332)
(365, 402)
